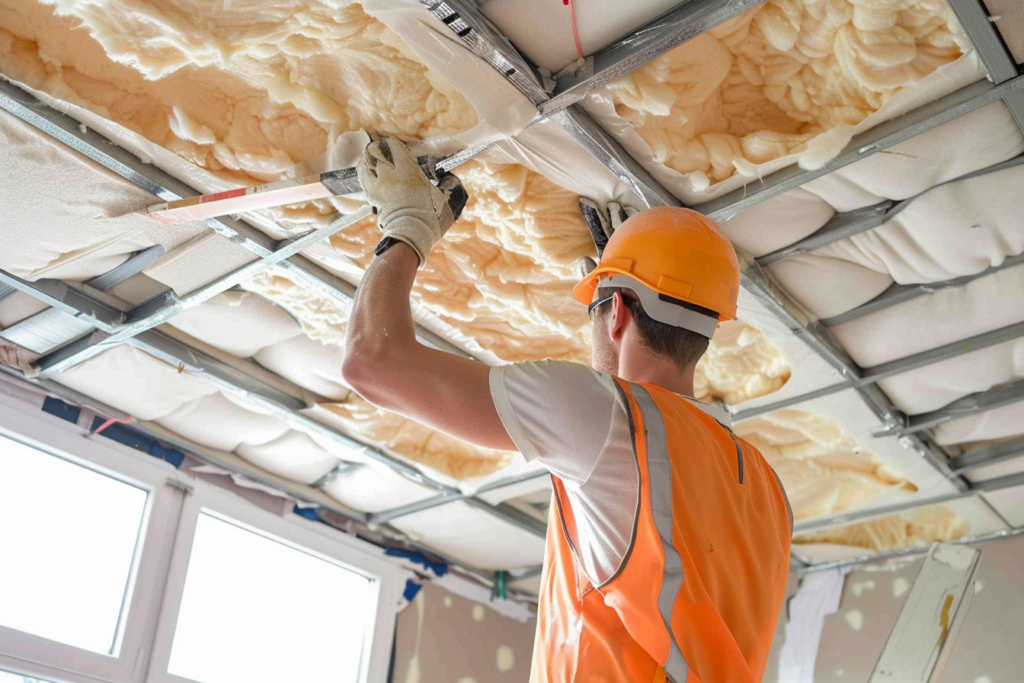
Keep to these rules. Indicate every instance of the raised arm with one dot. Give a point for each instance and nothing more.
(384, 362)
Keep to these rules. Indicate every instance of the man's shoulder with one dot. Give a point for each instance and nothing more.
(563, 373)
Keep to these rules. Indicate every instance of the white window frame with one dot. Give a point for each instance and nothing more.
(156, 584)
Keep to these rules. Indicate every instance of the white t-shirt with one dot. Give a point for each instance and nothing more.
(572, 419)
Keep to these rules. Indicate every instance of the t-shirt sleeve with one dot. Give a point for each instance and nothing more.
(557, 412)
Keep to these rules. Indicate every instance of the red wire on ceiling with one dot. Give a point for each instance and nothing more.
(575, 29)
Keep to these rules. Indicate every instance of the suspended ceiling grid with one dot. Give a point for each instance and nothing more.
(609, 62)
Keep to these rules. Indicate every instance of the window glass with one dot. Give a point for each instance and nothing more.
(69, 538)
(256, 610)
(6, 677)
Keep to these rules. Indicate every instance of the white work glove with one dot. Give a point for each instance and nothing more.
(409, 207)
(602, 225)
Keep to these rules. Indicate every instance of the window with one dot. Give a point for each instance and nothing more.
(118, 567)
(69, 538)
(256, 609)
(7, 677)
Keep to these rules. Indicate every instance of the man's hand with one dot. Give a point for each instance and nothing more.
(602, 224)
(409, 207)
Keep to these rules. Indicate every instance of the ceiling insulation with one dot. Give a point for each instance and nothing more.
(920, 527)
(250, 92)
(244, 89)
(764, 84)
(823, 468)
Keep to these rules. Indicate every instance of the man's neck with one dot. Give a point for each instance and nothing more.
(657, 370)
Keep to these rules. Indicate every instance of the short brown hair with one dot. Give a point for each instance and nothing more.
(684, 346)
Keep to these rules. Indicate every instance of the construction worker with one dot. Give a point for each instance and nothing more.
(668, 542)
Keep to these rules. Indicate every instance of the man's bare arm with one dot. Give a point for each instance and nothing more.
(387, 366)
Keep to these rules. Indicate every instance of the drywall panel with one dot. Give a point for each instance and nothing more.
(1009, 503)
(986, 651)
(445, 637)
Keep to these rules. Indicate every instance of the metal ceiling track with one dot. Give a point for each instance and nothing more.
(877, 139)
(284, 254)
(108, 320)
(993, 455)
(910, 552)
(159, 310)
(848, 224)
(557, 99)
(975, 404)
(448, 497)
(983, 458)
(865, 377)
(844, 519)
(999, 63)
(898, 294)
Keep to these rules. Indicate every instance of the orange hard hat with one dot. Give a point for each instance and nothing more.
(679, 253)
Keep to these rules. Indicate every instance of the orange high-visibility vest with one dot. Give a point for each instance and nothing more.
(699, 591)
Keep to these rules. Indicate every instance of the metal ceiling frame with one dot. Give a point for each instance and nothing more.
(660, 35)
(974, 404)
(107, 318)
(162, 308)
(1007, 86)
(294, 491)
(993, 455)
(850, 223)
(909, 552)
(865, 377)
(148, 177)
(483, 38)
(898, 294)
(877, 139)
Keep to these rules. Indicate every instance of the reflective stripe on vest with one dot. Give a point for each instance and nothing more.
(659, 472)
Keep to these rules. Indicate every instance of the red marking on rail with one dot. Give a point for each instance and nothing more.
(216, 197)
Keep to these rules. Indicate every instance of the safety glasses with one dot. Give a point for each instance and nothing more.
(597, 304)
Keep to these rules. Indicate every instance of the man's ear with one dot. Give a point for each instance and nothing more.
(621, 314)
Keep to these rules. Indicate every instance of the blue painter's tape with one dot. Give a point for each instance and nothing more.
(439, 568)
(411, 589)
(307, 512)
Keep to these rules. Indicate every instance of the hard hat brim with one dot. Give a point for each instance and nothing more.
(584, 290)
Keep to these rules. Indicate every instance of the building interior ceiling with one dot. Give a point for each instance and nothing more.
(863, 158)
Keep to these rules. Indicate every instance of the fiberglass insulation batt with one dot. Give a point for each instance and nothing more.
(952, 226)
